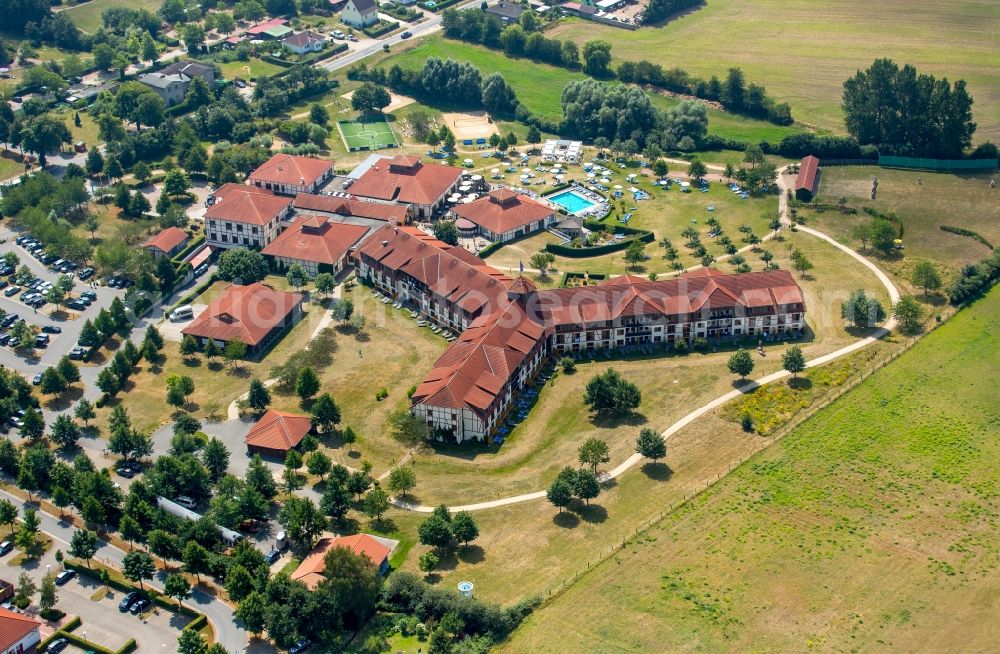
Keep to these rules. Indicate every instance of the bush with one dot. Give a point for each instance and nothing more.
(380, 28)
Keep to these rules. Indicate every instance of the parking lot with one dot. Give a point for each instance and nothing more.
(103, 624)
(66, 320)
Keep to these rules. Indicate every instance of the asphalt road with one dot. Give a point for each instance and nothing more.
(429, 26)
(228, 633)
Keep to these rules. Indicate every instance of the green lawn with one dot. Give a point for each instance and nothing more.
(539, 86)
(923, 206)
(803, 50)
(258, 69)
(88, 16)
(870, 528)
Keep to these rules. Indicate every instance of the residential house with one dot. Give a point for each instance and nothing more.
(360, 13)
(315, 243)
(507, 12)
(244, 216)
(166, 242)
(255, 314)
(304, 42)
(171, 83)
(288, 174)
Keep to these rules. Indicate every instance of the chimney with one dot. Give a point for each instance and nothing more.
(385, 243)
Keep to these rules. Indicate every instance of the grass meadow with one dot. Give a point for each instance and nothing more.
(871, 527)
(87, 16)
(803, 50)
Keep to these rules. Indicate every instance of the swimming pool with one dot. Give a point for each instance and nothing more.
(571, 201)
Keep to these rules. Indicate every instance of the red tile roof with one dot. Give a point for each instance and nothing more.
(278, 430)
(350, 207)
(313, 238)
(503, 210)
(807, 174)
(291, 169)
(166, 240)
(248, 313)
(406, 179)
(629, 295)
(240, 203)
(14, 627)
(473, 370)
(310, 571)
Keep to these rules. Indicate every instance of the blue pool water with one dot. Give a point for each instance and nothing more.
(571, 201)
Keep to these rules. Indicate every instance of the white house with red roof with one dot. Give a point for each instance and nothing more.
(315, 243)
(19, 634)
(244, 216)
(255, 314)
(503, 215)
(407, 180)
(166, 242)
(289, 174)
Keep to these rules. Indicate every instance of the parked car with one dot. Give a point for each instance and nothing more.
(37, 379)
(77, 353)
(129, 599)
(57, 645)
(337, 34)
(272, 556)
(12, 291)
(63, 577)
(139, 606)
(300, 646)
(6, 547)
(85, 274)
(77, 305)
(42, 340)
(5, 338)
(89, 295)
(127, 471)
(405, 35)
(52, 329)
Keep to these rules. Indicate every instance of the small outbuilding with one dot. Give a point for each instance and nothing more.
(807, 183)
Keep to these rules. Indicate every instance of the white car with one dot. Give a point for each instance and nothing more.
(337, 34)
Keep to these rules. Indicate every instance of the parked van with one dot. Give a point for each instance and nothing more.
(185, 501)
(182, 313)
(281, 542)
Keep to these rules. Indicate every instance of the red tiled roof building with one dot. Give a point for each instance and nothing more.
(352, 207)
(244, 216)
(289, 174)
(807, 182)
(18, 632)
(166, 242)
(503, 215)
(277, 432)
(255, 314)
(407, 180)
(310, 571)
(508, 326)
(315, 243)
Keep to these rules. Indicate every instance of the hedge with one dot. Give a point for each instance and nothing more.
(634, 234)
(961, 231)
(195, 242)
(439, 6)
(198, 290)
(490, 249)
(376, 31)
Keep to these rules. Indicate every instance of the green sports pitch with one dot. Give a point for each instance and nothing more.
(367, 134)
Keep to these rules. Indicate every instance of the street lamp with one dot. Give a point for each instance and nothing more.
(86, 642)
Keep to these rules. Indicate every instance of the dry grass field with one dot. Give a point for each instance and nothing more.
(803, 50)
(871, 527)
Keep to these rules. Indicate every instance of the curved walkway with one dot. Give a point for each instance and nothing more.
(726, 397)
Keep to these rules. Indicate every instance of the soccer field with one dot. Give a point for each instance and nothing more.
(367, 134)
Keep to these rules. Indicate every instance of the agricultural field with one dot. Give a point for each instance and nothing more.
(803, 52)
(87, 16)
(871, 527)
(539, 86)
(923, 201)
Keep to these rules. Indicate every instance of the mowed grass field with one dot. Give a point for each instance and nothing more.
(872, 527)
(539, 86)
(923, 201)
(87, 16)
(803, 50)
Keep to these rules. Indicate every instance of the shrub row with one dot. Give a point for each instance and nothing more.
(378, 30)
(975, 280)
(961, 231)
(633, 234)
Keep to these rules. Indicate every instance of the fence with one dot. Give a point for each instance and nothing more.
(943, 165)
(797, 419)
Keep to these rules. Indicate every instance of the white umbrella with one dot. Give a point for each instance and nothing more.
(558, 165)
(591, 175)
(605, 180)
(477, 178)
(524, 176)
(685, 184)
(526, 170)
(618, 187)
(468, 161)
(560, 177)
(495, 171)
